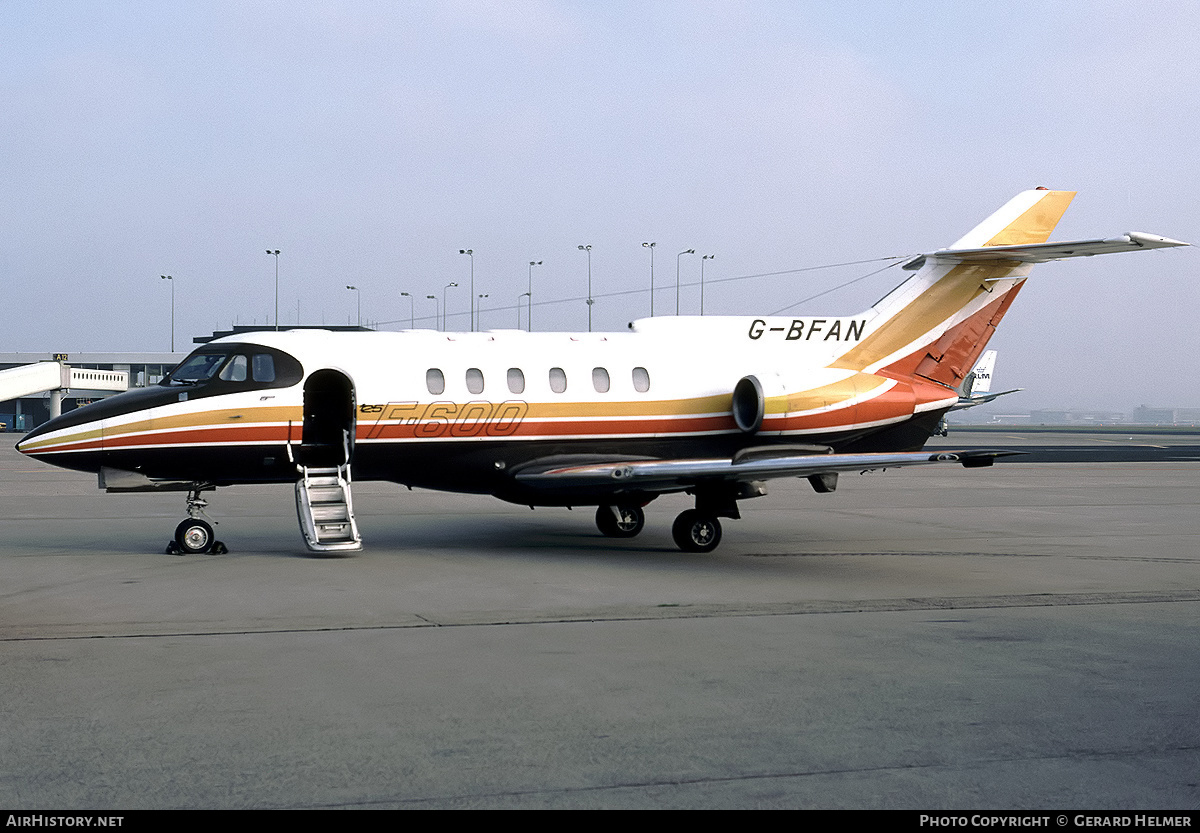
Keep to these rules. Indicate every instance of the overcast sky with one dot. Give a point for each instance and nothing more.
(369, 142)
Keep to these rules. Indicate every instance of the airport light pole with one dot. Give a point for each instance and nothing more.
(651, 246)
(172, 280)
(445, 309)
(677, 257)
(275, 252)
(471, 254)
(702, 259)
(481, 297)
(529, 318)
(437, 313)
(411, 311)
(590, 299)
(519, 297)
(355, 288)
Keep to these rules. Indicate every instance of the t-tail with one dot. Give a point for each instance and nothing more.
(935, 326)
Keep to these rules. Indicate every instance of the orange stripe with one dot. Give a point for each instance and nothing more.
(525, 430)
(91, 445)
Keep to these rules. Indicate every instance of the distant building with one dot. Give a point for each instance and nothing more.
(1166, 416)
(1080, 416)
(28, 412)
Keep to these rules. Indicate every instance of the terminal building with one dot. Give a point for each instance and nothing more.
(25, 401)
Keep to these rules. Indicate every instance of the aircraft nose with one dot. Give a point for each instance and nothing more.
(47, 437)
(24, 444)
(28, 443)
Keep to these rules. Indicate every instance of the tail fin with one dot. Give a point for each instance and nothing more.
(1027, 218)
(979, 380)
(937, 323)
(977, 387)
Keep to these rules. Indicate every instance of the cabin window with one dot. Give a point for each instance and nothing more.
(558, 380)
(235, 371)
(516, 380)
(641, 380)
(600, 379)
(474, 380)
(435, 381)
(263, 367)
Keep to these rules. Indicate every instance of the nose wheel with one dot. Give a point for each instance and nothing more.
(194, 535)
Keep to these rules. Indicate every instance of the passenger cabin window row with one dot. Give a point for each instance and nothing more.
(435, 380)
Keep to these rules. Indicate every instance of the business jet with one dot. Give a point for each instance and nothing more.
(709, 406)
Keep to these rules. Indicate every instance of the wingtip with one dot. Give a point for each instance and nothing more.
(1153, 241)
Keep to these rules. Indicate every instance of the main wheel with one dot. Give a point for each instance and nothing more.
(194, 536)
(620, 521)
(696, 531)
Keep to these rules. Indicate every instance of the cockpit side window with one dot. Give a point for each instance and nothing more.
(235, 370)
(264, 367)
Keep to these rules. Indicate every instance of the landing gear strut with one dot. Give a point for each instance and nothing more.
(698, 530)
(195, 535)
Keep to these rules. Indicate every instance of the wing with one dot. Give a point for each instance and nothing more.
(679, 475)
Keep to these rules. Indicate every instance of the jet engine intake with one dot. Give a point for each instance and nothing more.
(749, 404)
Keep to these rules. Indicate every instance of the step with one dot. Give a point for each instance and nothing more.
(324, 510)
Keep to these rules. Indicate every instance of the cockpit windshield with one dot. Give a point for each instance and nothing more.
(197, 368)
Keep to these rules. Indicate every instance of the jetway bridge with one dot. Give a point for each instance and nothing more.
(56, 377)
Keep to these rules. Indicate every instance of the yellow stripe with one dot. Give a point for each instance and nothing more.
(697, 405)
(811, 399)
(280, 413)
(82, 436)
(834, 393)
(1035, 225)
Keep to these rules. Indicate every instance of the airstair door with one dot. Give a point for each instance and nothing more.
(324, 505)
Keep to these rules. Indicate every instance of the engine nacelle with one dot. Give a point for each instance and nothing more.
(749, 404)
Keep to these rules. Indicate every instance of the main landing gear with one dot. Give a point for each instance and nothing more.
(194, 535)
(695, 530)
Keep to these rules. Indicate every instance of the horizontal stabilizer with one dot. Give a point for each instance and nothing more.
(980, 399)
(1042, 252)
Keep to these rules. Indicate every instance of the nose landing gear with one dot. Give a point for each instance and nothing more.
(195, 535)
